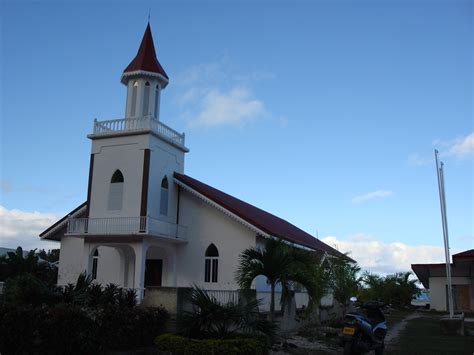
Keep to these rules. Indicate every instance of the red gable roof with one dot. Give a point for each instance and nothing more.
(264, 221)
(465, 254)
(145, 59)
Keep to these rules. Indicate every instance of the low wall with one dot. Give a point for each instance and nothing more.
(173, 299)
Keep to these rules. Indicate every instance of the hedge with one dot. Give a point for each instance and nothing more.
(71, 329)
(179, 345)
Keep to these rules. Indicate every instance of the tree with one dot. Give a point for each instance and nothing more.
(282, 264)
(344, 280)
(396, 289)
(18, 263)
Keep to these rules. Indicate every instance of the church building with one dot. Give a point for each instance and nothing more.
(145, 222)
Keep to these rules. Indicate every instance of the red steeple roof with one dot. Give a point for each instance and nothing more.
(146, 60)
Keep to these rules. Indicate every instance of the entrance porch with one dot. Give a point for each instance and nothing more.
(133, 264)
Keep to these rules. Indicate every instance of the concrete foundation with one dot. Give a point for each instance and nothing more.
(452, 326)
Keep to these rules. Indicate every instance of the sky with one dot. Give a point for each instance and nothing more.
(325, 113)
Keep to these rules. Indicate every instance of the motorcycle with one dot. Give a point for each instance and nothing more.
(365, 330)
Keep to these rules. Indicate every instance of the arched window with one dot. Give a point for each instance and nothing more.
(116, 191)
(146, 100)
(157, 101)
(211, 264)
(133, 106)
(164, 197)
(95, 261)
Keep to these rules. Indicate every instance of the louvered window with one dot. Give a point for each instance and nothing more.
(116, 191)
(164, 197)
(211, 264)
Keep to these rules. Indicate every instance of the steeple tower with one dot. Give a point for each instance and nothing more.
(144, 78)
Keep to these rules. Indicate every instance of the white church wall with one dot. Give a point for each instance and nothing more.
(208, 225)
(164, 161)
(70, 260)
(109, 266)
(125, 154)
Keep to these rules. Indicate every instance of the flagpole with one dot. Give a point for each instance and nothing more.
(444, 222)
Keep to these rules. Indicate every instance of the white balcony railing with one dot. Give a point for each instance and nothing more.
(125, 226)
(138, 124)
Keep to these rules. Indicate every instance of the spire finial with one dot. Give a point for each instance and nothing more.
(149, 13)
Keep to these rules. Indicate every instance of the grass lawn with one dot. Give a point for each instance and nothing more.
(423, 336)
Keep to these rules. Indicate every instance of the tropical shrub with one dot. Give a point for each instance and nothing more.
(19, 326)
(15, 263)
(212, 319)
(396, 289)
(68, 329)
(125, 328)
(72, 329)
(345, 280)
(178, 345)
(26, 289)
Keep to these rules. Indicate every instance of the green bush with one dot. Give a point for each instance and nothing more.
(19, 326)
(125, 328)
(71, 329)
(179, 345)
(27, 289)
(67, 329)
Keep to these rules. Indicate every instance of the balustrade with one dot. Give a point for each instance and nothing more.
(125, 225)
(136, 124)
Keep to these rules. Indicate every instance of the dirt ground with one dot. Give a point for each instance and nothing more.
(409, 333)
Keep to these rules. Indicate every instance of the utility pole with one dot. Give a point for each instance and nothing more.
(444, 222)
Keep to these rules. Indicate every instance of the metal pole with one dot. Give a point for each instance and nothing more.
(442, 201)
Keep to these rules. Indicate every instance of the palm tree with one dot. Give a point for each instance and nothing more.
(212, 319)
(282, 264)
(271, 262)
(344, 280)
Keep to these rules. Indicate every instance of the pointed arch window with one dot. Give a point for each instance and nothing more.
(116, 191)
(146, 100)
(164, 197)
(211, 264)
(157, 101)
(133, 106)
(95, 262)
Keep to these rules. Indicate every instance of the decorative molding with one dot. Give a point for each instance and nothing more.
(128, 75)
(145, 179)
(89, 185)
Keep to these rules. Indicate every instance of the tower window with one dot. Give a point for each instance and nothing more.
(116, 191)
(95, 261)
(164, 197)
(146, 100)
(157, 101)
(211, 264)
(134, 99)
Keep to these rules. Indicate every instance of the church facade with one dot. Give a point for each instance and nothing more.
(147, 224)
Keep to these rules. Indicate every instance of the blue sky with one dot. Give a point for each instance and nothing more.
(325, 113)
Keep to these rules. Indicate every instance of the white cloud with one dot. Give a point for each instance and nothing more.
(462, 147)
(234, 107)
(417, 160)
(372, 195)
(385, 258)
(215, 94)
(21, 228)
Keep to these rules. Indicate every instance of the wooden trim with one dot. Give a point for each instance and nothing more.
(89, 185)
(177, 207)
(146, 176)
